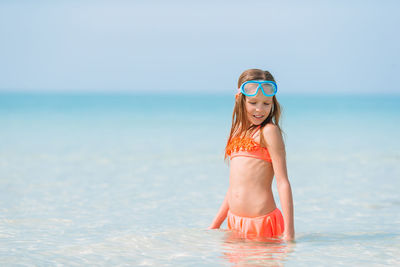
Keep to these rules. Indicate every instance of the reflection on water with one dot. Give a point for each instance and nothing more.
(255, 252)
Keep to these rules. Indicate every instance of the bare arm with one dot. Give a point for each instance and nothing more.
(276, 149)
(221, 215)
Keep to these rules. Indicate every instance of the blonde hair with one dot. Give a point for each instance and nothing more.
(240, 124)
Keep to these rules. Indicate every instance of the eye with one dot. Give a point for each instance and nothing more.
(267, 104)
(252, 103)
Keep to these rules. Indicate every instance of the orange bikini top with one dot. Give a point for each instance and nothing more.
(247, 147)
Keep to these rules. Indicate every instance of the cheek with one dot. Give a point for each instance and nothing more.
(249, 111)
(248, 107)
(269, 110)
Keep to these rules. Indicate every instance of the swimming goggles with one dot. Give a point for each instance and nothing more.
(250, 88)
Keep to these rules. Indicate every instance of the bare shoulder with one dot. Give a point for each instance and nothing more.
(271, 131)
(271, 128)
(272, 135)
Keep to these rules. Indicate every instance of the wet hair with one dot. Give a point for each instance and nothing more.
(240, 124)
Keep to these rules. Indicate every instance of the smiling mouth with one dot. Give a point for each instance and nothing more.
(258, 117)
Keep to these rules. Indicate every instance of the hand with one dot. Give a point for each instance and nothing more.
(212, 227)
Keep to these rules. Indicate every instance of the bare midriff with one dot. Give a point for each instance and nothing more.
(250, 193)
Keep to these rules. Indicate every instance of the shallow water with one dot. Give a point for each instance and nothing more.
(136, 179)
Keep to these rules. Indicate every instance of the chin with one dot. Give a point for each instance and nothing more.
(255, 122)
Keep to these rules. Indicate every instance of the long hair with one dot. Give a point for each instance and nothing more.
(240, 124)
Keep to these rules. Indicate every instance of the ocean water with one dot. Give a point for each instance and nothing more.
(135, 180)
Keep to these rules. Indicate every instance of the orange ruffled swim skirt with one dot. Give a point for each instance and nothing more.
(268, 225)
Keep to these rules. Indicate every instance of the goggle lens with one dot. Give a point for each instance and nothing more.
(251, 88)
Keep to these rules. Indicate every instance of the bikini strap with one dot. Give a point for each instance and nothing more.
(259, 126)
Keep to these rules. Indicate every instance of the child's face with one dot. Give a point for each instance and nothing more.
(258, 107)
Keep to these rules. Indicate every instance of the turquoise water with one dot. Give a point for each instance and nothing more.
(125, 179)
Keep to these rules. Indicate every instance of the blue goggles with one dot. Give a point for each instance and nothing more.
(250, 88)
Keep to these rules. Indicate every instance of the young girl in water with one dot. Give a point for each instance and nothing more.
(257, 154)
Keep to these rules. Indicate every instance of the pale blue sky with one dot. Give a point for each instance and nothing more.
(309, 46)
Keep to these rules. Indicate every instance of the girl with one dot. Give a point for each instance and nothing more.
(257, 153)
